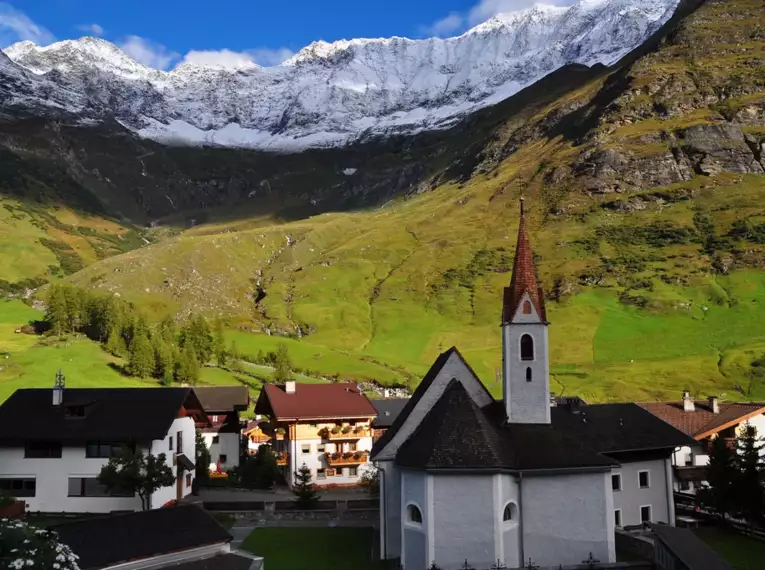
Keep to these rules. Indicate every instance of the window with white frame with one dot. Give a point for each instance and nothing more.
(320, 448)
(644, 479)
(618, 517)
(321, 474)
(305, 448)
(645, 513)
(353, 472)
(616, 481)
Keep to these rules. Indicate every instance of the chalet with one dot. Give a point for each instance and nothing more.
(255, 434)
(467, 479)
(326, 427)
(704, 421)
(53, 443)
(223, 405)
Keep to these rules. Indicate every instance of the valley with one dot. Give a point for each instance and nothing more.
(644, 186)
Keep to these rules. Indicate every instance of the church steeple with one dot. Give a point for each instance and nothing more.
(525, 354)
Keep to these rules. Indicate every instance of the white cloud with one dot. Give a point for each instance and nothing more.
(485, 9)
(445, 26)
(223, 58)
(147, 52)
(94, 29)
(16, 26)
(268, 57)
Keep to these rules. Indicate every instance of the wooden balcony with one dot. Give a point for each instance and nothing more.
(345, 433)
(282, 458)
(346, 458)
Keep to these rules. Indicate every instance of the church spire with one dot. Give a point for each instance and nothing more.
(524, 279)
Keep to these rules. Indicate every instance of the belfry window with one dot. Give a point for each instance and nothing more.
(528, 374)
(527, 347)
(526, 310)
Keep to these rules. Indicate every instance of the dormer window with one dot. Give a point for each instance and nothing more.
(527, 347)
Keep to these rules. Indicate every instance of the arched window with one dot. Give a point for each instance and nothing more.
(509, 513)
(528, 375)
(526, 307)
(527, 347)
(413, 514)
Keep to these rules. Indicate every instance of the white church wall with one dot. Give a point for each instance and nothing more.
(390, 510)
(632, 497)
(415, 544)
(567, 517)
(464, 516)
(509, 530)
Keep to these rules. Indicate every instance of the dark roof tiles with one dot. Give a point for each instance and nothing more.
(223, 398)
(387, 411)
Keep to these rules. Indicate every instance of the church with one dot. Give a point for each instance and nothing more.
(526, 479)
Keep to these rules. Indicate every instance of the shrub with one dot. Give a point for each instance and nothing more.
(30, 548)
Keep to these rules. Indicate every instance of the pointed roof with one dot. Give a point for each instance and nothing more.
(524, 278)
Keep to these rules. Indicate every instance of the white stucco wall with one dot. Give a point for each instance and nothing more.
(565, 517)
(452, 368)
(228, 445)
(417, 549)
(509, 549)
(390, 510)
(632, 497)
(316, 460)
(186, 426)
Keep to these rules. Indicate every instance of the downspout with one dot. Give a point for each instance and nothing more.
(520, 519)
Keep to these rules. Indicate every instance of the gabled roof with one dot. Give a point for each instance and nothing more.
(703, 422)
(111, 414)
(524, 279)
(422, 388)
(693, 552)
(457, 434)
(223, 398)
(231, 561)
(387, 411)
(314, 401)
(110, 540)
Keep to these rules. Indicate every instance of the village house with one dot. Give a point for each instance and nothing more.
(255, 436)
(222, 405)
(326, 427)
(387, 410)
(465, 477)
(53, 443)
(704, 421)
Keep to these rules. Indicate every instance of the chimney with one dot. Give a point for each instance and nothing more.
(714, 405)
(386, 393)
(58, 389)
(688, 405)
(289, 387)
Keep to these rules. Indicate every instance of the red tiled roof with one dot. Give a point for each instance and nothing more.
(703, 422)
(315, 401)
(524, 279)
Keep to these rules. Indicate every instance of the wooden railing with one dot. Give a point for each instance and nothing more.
(345, 433)
(282, 457)
(347, 458)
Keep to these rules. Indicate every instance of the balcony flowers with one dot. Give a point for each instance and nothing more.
(26, 547)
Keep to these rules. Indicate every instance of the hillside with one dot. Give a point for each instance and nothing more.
(645, 183)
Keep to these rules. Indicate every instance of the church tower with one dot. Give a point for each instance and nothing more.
(525, 352)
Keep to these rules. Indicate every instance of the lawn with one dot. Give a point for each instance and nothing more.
(743, 552)
(315, 548)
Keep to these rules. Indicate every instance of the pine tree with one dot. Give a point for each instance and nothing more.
(305, 495)
(282, 364)
(196, 335)
(749, 486)
(235, 358)
(76, 308)
(166, 329)
(721, 476)
(56, 314)
(219, 344)
(187, 369)
(141, 362)
(164, 365)
(115, 344)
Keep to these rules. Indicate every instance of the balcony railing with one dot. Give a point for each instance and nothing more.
(347, 458)
(344, 433)
(282, 457)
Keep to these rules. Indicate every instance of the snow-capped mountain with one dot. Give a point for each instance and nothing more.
(334, 93)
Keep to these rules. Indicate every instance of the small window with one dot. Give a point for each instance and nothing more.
(19, 488)
(321, 474)
(313, 425)
(214, 418)
(528, 375)
(320, 448)
(645, 514)
(618, 517)
(216, 439)
(527, 347)
(179, 441)
(644, 480)
(103, 450)
(305, 449)
(353, 472)
(509, 513)
(616, 481)
(90, 487)
(43, 449)
(526, 308)
(339, 472)
(171, 442)
(352, 446)
(223, 457)
(188, 479)
(413, 514)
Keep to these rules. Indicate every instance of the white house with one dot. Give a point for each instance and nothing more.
(465, 477)
(222, 405)
(53, 443)
(704, 421)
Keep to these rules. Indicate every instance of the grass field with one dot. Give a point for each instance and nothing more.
(314, 548)
(743, 552)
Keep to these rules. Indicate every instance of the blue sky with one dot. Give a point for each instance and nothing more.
(163, 33)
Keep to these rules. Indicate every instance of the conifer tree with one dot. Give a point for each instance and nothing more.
(141, 362)
(164, 365)
(749, 486)
(197, 336)
(115, 344)
(219, 344)
(187, 370)
(721, 476)
(166, 329)
(235, 358)
(305, 495)
(282, 364)
(56, 314)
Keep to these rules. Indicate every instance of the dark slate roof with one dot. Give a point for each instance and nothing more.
(427, 380)
(689, 548)
(105, 541)
(613, 428)
(117, 414)
(232, 561)
(457, 434)
(223, 398)
(387, 411)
